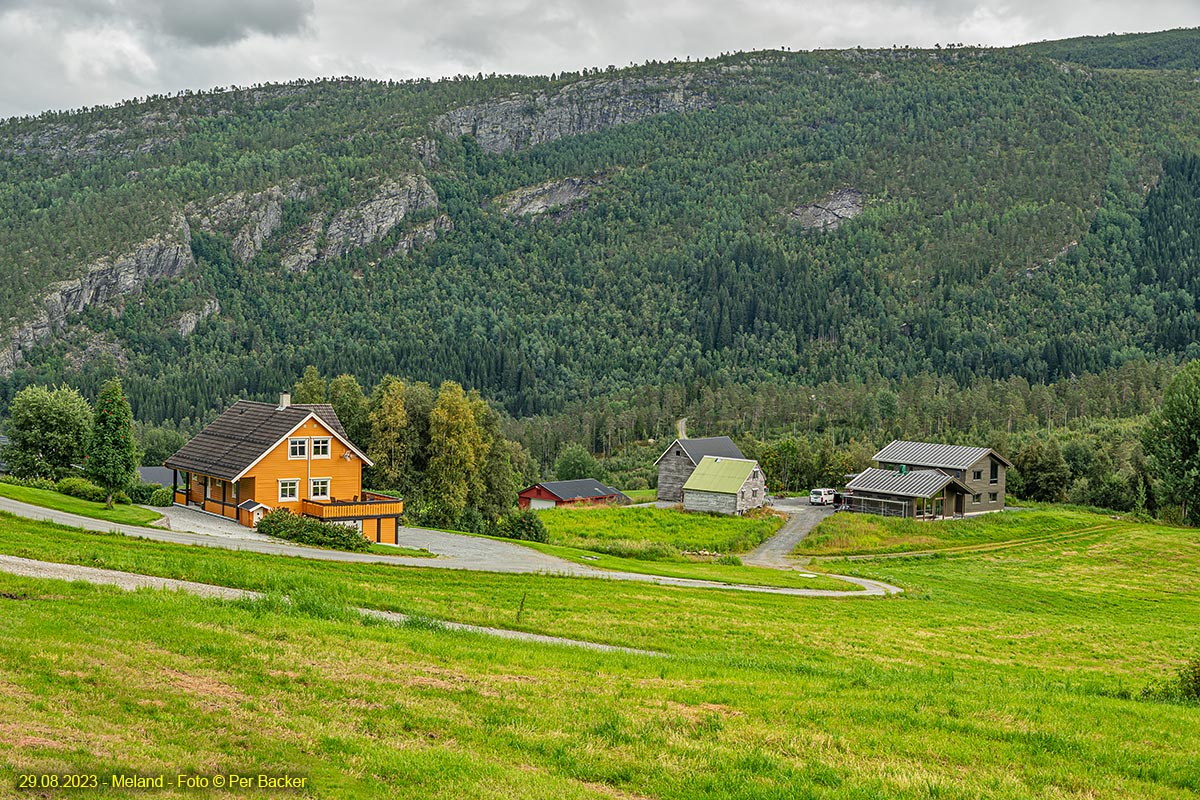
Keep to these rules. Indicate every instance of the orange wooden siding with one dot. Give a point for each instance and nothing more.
(344, 474)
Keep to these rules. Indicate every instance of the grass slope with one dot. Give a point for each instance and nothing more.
(1006, 675)
(629, 531)
(854, 534)
(127, 515)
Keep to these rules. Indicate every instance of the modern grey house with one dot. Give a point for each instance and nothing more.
(919, 494)
(725, 486)
(679, 461)
(928, 480)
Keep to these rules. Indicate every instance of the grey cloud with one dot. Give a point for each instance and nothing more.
(215, 22)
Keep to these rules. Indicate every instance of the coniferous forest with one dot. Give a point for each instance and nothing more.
(1019, 252)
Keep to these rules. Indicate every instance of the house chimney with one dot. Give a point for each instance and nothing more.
(285, 400)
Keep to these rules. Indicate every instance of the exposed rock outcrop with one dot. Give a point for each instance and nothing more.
(251, 219)
(831, 211)
(522, 121)
(361, 225)
(188, 320)
(105, 283)
(421, 234)
(533, 200)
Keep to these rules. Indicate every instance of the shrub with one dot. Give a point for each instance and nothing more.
(141, 493)
(283, 524)
(81, 488)
(32, 483)
(472, 521)
(1183, 688)
(161, 498)
(729, 561)
(523, 525)
(634, 484)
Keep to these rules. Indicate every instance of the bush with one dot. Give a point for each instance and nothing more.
(1183, 688)
(32, 483)
(81, 488)
(283, 524)
(161, 498)
(729, 561)
(523, 525)
(141, 493)
(472, 521)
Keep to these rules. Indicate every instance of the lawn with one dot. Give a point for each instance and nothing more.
(851, 534)
(1009, 674)
(641, 495)
(698, 569)
(655, 533)
(127, 515)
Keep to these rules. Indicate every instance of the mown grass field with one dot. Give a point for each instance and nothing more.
(641, 495)
(655, 533)
(852, 534)
(1010, 674)
(127, 515)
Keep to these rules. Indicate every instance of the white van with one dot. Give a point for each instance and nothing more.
(820, 497)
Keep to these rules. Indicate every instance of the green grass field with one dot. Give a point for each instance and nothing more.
(853, 534)
(655, 533)
(1008, 674)
(128, 515)
(641, 495)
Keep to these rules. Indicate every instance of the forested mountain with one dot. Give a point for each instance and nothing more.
(758, 219)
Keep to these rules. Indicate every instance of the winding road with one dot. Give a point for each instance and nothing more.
(453, 551)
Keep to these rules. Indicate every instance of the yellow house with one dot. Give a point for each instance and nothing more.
(257, 457)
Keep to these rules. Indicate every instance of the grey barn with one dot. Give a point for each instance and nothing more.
(679, 461)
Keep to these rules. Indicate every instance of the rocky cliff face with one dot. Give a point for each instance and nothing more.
(188, 320)
(521, 121)
(533, 200)
(831, 211)
(250, 219)
(361, 225)
(105, 283)
(422, 234)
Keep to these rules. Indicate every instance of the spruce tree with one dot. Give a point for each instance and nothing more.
(112, 456)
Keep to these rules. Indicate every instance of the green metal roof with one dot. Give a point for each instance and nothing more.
(721, 475)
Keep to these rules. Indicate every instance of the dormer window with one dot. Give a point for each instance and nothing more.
(297, 448)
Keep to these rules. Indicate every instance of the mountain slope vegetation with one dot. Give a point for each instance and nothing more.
(1016, 217)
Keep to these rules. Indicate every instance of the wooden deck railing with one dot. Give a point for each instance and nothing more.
(353, 509)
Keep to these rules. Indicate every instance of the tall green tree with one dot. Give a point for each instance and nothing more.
(575, 462)
(310, 388)
(1171, 439)
(350, 404)
(112, 453)
(388, 444)
(48, 431)
(1042, 472)
(456, 452)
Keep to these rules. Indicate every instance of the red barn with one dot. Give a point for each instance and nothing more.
(566, 493)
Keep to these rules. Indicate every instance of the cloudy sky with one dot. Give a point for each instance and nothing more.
(69, 53)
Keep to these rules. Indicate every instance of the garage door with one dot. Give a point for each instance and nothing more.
(538, 503)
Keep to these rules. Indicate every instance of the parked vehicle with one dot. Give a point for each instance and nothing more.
(821, 497)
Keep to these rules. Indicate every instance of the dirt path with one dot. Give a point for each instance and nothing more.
(454, 551)
(130, 581)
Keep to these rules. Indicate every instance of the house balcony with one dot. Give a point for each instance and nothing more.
(366, 506)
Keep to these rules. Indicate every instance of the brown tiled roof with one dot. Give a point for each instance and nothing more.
(237, 438)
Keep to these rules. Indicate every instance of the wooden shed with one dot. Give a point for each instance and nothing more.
(551, 494)
(725, 486)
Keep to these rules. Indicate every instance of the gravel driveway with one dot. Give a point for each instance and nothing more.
(802, 518)
(454, 551)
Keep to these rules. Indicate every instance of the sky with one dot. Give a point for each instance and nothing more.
(58, 54)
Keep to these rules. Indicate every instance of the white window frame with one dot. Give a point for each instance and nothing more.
(211, 489)
(976, 498)
(312, 488)
(327, 441)
(292, 446)
(993, 497)
(295, 496)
